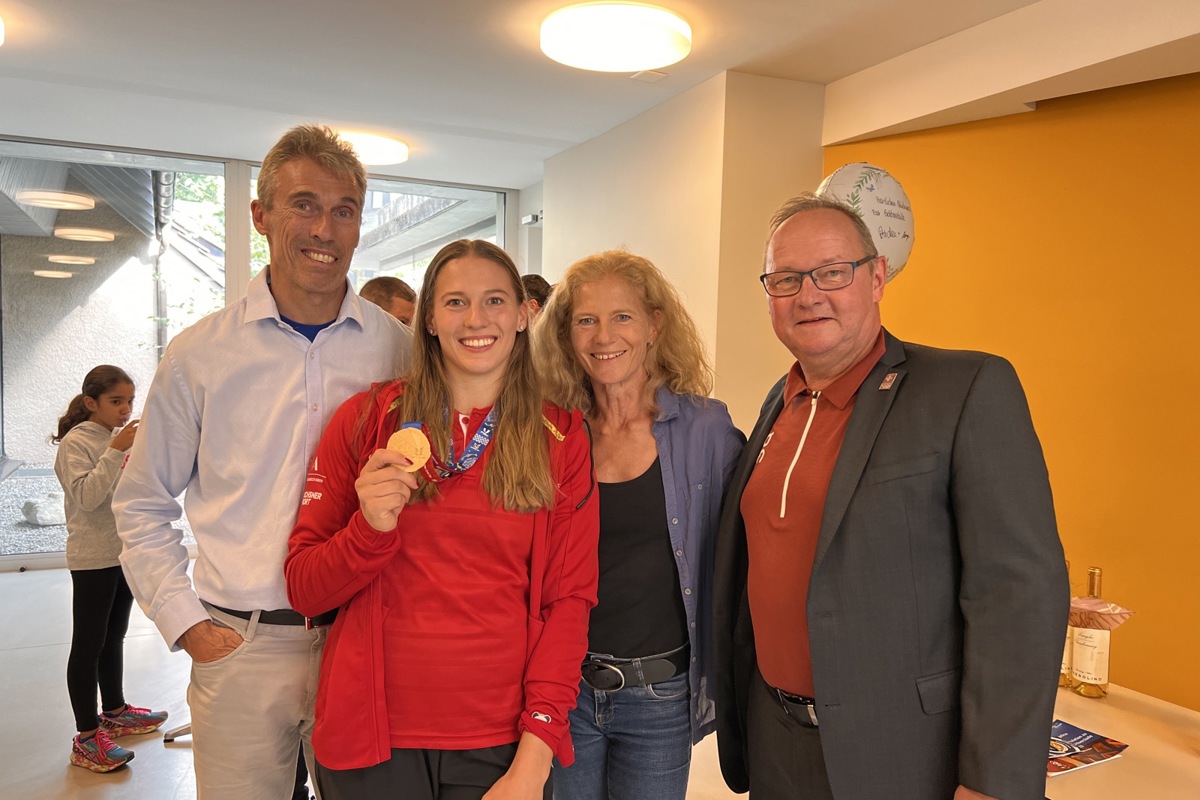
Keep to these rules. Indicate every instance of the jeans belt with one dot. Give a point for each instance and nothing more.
(284, 616)
(795, 702)
(614, 674)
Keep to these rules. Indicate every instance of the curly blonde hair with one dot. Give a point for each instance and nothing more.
(676, 360)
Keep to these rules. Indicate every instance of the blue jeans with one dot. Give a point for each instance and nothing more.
(633, 744)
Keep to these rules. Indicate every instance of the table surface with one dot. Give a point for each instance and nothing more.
(1163, 758)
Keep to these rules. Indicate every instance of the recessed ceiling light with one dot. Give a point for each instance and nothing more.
(65, 200)
(71, 259)
(85, 234)
(615, 37)
(52, 273)
(375, 150)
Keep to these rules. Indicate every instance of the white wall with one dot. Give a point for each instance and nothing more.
(772, 152)
(691, 185)
(652, 186)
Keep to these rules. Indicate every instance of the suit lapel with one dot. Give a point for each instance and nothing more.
(871, 407)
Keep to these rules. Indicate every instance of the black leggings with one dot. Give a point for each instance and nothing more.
(100, 609)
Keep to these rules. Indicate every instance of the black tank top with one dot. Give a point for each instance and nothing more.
(641, 611)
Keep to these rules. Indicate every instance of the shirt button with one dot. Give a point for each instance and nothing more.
(687, 591)
(674, 520)
(699, 486)
(679, 553)
(314, 406)
(693, 624)
(693, 659)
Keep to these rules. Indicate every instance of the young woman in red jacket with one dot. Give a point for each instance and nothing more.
(463, 588)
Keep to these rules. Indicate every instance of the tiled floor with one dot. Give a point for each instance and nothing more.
(35, 741)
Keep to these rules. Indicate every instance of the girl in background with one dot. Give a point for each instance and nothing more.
(88, 465)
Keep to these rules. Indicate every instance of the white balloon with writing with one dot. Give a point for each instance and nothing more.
(880, 200)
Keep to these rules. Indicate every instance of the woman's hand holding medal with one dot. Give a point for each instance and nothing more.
(388, 479)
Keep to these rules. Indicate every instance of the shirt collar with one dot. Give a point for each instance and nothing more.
(668, 404)
(260, 303)
(841, 391)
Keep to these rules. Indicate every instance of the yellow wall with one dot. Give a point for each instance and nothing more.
(1065, 240)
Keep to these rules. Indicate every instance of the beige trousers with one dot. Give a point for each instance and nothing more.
(252, 710)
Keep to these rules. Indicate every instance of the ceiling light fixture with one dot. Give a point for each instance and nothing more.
(52, 273)
(616, 37)
(1, 31)
(75, 260)
(61, 200)
(375, 150)
(85, 234)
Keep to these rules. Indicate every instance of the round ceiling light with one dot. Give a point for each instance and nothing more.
(61, 200)
(76, 260)
(374, 150)
(85, 234)
(52, 273)
(616, 37)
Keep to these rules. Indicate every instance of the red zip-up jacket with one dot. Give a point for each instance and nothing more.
(435, 645)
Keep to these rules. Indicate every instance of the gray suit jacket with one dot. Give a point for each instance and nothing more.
(938, 600)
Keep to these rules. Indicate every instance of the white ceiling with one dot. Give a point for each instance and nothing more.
(462, 81)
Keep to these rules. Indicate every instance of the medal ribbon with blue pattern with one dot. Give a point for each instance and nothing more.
(437, 469)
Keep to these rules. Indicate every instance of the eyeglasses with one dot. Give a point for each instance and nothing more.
(827, 278)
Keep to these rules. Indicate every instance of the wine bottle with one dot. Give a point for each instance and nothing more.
(1064, 676)
(1089, 655)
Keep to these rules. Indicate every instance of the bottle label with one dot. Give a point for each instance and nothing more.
(1068, 646)
(1089, 656)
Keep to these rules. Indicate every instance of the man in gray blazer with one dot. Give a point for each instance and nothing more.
(891, 596)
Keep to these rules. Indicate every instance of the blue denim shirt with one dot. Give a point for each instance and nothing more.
(698, 447)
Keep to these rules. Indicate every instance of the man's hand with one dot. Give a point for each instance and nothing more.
(963, 793)
(207, 641)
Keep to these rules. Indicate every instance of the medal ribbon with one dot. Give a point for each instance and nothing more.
(437, 469)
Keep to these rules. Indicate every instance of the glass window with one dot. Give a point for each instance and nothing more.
(104, 256)
(404, 224)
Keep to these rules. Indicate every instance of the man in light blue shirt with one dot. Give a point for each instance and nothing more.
(233, 417)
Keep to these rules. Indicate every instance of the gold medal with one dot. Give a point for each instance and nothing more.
(412, 444)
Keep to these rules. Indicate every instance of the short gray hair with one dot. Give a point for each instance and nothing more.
(812, 202)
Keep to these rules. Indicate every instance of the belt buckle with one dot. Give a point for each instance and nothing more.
(615, 669)
(808, 706)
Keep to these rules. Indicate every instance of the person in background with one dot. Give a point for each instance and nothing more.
(888, 563)
(233, 417)
(88, 465)
(537, 291)
(392, 295)
(464, 581)
(616, 341)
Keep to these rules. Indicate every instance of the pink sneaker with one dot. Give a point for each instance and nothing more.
(132, 721)
(99, 754)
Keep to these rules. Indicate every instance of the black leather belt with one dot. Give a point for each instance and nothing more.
(614, 674)
(284, 616)
(804, 709)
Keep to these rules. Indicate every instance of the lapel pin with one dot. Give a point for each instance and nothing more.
(888, 380)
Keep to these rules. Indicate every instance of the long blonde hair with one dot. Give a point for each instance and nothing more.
(517, 476)
(677, 359)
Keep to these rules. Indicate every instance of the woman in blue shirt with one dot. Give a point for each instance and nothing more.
(616, 342)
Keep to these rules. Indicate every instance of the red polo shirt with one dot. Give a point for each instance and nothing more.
(782, 506)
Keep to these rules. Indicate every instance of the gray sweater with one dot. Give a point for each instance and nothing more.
(88, 470)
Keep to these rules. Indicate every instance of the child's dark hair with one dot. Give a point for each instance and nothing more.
(98, 381)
